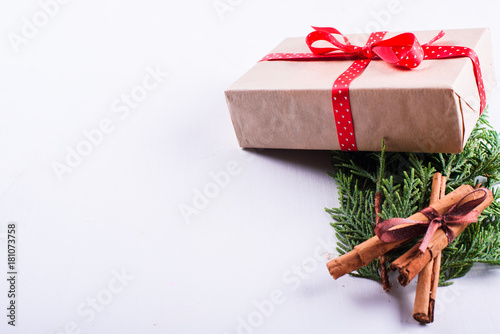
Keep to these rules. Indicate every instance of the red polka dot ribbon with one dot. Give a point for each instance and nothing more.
(402, 50)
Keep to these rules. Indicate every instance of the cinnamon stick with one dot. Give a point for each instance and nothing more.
(372, 248)
(436, 269)
(428, 278)
(413, 261)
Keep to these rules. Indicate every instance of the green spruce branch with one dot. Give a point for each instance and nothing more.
(404, 180)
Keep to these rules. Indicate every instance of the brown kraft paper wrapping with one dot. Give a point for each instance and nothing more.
(432, 108)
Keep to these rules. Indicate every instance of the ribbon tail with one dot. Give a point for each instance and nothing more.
(428, 236)
(449, 234)
(438, 36)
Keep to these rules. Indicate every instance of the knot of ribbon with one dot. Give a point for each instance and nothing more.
(403, 50)
(399, 229)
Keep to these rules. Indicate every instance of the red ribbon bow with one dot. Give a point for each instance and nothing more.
(457, 214)
(402, 50)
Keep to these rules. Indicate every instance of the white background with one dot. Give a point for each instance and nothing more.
(110, 232)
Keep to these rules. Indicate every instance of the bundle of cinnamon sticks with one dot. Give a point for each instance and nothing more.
(424, 260)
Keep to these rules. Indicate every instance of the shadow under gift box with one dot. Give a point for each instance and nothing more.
(432, 108)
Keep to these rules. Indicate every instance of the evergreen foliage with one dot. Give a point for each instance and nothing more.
(404, 180)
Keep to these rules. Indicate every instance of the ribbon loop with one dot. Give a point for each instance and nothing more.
(403, 50)
(399, 229)
(328, 35)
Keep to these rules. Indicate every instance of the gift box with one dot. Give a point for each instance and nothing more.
(290, 103)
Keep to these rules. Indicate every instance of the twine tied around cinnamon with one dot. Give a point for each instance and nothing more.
(396, 229)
